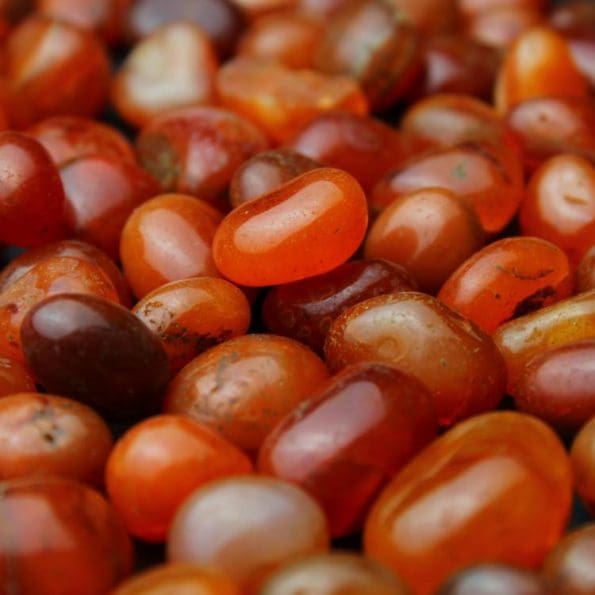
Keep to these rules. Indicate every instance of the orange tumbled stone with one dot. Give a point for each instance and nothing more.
(560, 324)
(280, 100)
(538, 64)
(506, 279)
(307, 227)
(497, 487)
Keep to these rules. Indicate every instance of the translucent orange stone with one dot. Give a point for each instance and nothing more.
(14, 377)
(52, 276)
(569, 567)
(290, 37)
(538, 64)
(280, 100)
(51, 435)
(560, 324)
(395, 419)
(174, 67)
(560, 204)
(495, 579)
(221, 20)
(265, 172)
(308, 226)
(68, 249)
(429, 232)
(166, 239)
(55, 69)
(454, 63)
(196, 150)
(58, 534)
(448, 119)
(582, 456)
(182, 579)
(31, 194)
(585, 273)
(546, 126)
(500, 26)
(419, 335)
(497, 487)
(334, 574)
(191, 315)
(96, 213)
(304, 310)
(245, 386)
(69, 137)
(105, 17)
(479, 173)
(372, 43)
(246, 527)
(506, 279)
(559, 386)
(158, 463)
(361, 145)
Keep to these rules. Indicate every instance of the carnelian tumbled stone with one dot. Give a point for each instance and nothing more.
(481, 174)
(361, 145)
(569, 566)
(506, 279)
(191, 315)
(369, 41)
(31, 194)
(307, 227)
(55, 69)
(183, 579)
(265, 172)
(454, 63)
(289, 37)
(559, 386)
(538, 64)
(304, 310)
(429, 232)
(105, 17)
(51, 276)
(174, 67)
(582, 456)
(245, 386)
(494, 579)
(395, 419)
(499, 26)
(14, 377)
(560, 204)
(97, 352)
(448, 119)
(51, 435)
(281, 100)
(23, 263)
(247, 527)
(69, 137)
(546, 126)
(419, 335)
(497, 487)
(96, 213)
(158, 463)
(432, 17)
(59, 537)
(560, 324)
(219, 19)
(196, 150)
(585, 273)
(166, 239)
(334, 574)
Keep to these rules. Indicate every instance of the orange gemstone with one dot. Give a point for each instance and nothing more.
(307, 227)
(497, 487)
